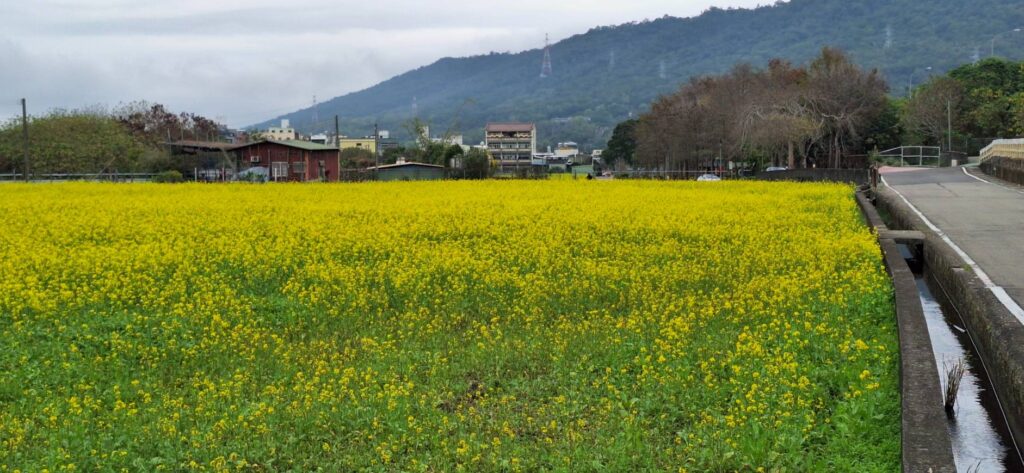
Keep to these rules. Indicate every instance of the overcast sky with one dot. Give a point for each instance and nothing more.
(244, 61)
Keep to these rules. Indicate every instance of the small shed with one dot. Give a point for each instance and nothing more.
(409, 171)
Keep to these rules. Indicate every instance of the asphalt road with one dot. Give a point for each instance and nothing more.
(985, 219)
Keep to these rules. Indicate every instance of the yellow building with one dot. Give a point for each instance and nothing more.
(367, 143)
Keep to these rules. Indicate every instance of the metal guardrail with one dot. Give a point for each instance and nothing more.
(58, 177)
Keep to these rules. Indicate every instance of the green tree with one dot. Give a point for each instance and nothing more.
(71, 142)
(391, 155)
(452, 152)
(477, 164)
(927, 113)
(886, 131)
(352, 158)
(622, 145)
(989, 90)
(433, 153)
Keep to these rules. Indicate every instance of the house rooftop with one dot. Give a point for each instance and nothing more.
(408, 164)
(200, 145)
(510, 127)
(303, 145)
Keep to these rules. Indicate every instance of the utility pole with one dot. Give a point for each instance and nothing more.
(376, 150)
(949, 122)
(337, 133)
(24, 134)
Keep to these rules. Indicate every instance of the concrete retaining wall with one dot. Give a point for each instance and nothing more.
(997, 335)
(925, 439)
(1007, 169)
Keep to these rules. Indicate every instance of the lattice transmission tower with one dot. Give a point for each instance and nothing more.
(545, 68)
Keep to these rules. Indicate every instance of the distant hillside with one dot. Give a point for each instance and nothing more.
(602, 76)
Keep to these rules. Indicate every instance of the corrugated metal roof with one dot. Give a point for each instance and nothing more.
(205, 145)
(306, 145)
(399, 165)
(510, 127)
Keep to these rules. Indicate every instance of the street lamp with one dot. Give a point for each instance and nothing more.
(992, 52)
(910, 85)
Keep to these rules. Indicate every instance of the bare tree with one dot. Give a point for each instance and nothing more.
(773, 112)
(928, 113)
(777, 119)
(844, 99)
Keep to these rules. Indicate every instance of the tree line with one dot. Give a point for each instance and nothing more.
(127, 138)
(968, 107)
(782, 114)
(816, 115)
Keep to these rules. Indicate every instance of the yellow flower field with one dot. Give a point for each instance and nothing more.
(454, 326)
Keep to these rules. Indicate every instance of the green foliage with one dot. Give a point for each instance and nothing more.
(984, 101)
(70, 142)
(994, 91)
(886, 130)
(353, 158)
(585, 88)
(452, 152)
(391, 155)
(622, 145)
(477, 164)
(169, 177)
(433, 153)
(129, 139)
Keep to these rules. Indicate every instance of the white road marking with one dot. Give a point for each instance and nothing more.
(986, 181)
(1000, 293)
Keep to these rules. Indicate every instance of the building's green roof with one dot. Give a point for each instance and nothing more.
(303, 145)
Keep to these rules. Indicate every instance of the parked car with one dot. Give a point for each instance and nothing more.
(776, 169)
(708, 178)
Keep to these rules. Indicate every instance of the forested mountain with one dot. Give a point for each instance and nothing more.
(605, 75)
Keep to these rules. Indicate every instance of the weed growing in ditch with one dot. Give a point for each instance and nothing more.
(954, 371)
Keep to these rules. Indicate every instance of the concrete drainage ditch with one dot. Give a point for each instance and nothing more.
(945, 318)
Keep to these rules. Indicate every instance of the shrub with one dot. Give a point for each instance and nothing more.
(169, 177)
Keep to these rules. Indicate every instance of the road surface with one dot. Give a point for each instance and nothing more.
(982, 216)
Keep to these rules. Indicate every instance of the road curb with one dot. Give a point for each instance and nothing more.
(997, 335)
(925, 436)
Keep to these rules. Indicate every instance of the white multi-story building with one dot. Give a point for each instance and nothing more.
(283, 133)
(511, 143)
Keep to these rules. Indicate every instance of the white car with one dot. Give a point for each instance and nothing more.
(708, 178)
(776, 169)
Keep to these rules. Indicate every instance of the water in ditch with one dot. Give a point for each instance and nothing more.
(982, 443)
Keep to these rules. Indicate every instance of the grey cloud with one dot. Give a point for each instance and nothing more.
(249, 60)
(63, 81)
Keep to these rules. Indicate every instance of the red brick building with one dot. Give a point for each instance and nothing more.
(298, 161)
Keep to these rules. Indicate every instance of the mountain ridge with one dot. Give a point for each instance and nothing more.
(609, 73)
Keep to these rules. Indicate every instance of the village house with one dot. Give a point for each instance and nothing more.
(291, 160)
